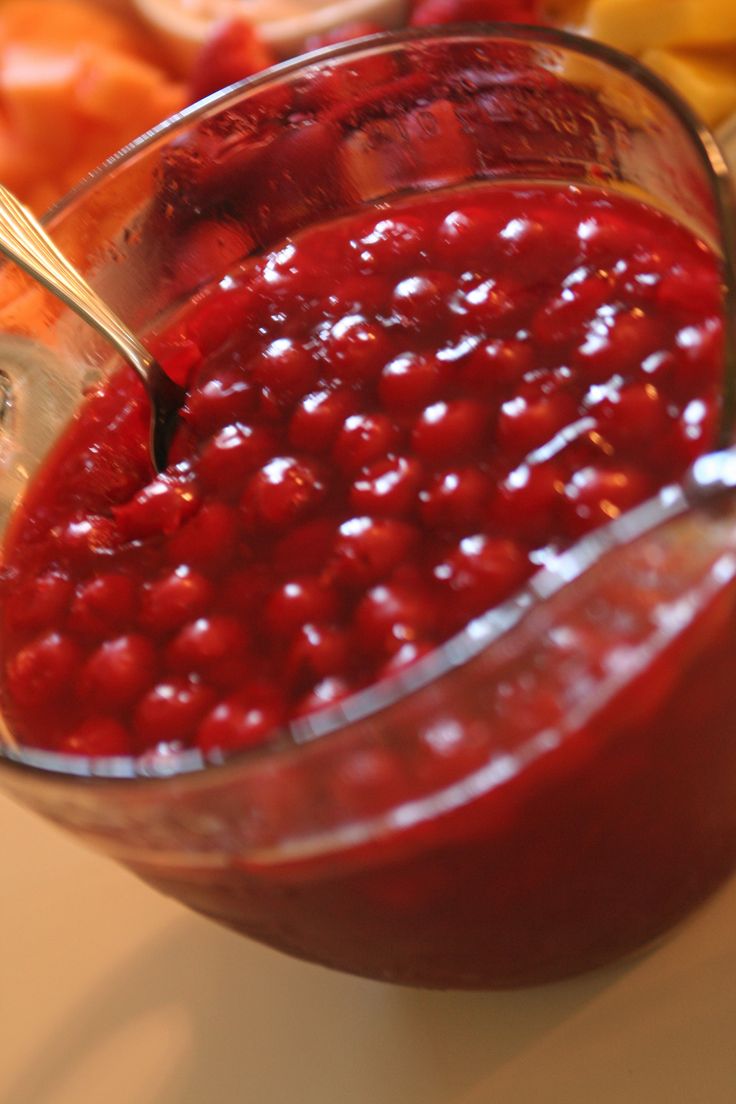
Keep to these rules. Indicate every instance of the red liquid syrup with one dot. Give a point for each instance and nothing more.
(392, 422)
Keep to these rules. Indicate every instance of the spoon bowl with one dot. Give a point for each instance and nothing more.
(25, 242)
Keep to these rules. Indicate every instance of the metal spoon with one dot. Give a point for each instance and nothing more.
(24, 241)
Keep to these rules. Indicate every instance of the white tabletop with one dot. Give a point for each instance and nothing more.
(110, 994)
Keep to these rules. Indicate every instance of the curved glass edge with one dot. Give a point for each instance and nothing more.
(711, 475)
(704, 139)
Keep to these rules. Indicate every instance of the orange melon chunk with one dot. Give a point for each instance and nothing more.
(77, 81)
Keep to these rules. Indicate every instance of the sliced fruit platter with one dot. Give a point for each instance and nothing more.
(81, 78)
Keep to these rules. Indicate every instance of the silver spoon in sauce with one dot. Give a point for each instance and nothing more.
(24, 241)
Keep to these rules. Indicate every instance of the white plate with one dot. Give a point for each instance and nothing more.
(284, 25)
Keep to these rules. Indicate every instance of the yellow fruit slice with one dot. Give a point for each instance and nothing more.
(638, 25)
(691, 43)
(706, 80)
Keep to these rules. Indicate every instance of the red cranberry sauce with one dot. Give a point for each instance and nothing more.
(392, 421)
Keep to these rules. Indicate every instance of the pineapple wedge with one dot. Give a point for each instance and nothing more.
(638, 25)
(690, 43)
(705, 80)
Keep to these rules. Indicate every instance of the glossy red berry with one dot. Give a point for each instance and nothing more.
(84, 541)
(362, 439)
(306, 547)
(171, 712)
(699, 351)
(204, 644)
(597, 495)
(526, 424)
(387, 487)
(104, 604)
(327, 692)
(411, 381)
(286, 368)
(406, 655)
(284, 491)
(495, 366)
(242, 721)
(391, 615)
(481, 572)
(390, 245)
(42, 671)
(695, 431)
(169, 602)
(118, 672)
(617, 345)
(231, 454)
(357, 349)
(456, 499)
(420, 301)
(318, 418)
(559, 322)
(368, 549)
(39, 601)
(691, 290)
(223, 399)
(451, 430)
(297, 603)
(633, 418)
(465, 237)
(527, 502)
(488, 307)
(316, 652)
(98, 735)
(212, 322)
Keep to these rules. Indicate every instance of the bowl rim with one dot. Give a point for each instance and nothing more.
(484, 631)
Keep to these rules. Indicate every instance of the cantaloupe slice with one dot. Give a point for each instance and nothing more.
(77, 81)
(36, 89)
(107, 78)
(64, 24)
(20, 163)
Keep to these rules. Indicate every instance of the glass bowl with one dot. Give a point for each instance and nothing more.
(552, 788)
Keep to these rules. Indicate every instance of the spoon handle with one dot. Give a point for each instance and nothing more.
(24, 241)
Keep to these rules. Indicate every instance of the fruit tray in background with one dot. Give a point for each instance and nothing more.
(81, 78)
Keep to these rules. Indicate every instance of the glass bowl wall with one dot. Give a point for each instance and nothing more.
(552, 788)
